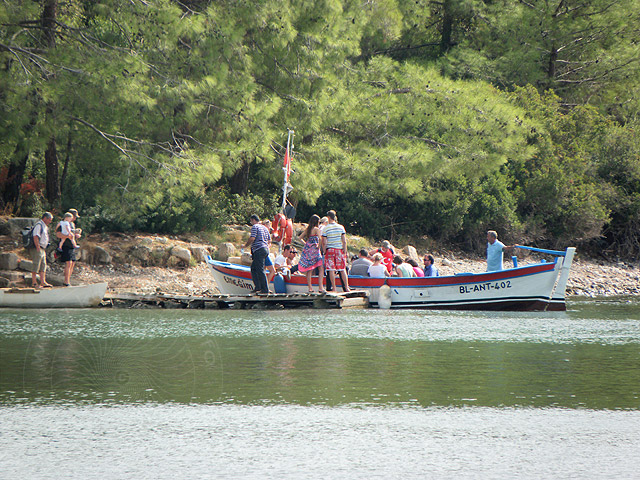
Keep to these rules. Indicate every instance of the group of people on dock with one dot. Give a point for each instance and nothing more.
(324, 255)
(67, 235)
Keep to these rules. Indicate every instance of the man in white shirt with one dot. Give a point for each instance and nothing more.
(38, 252)
(284, 262)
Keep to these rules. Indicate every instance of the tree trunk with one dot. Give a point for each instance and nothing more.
(15, 177)
(551, 69)
(447, 27)
(240, 179)
(49, 17)
(51, 169)
(65, 166)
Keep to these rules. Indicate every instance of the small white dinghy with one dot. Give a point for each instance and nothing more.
(80, 296)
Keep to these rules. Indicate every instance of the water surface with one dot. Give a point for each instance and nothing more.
(321, 394)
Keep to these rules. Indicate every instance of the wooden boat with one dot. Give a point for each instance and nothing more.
(540, 286)
(60, 297)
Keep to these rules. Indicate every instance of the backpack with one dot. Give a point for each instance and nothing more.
(27, 237)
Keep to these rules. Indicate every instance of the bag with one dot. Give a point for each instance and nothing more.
(27, 237)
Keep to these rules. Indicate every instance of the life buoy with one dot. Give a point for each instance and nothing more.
(282, 229)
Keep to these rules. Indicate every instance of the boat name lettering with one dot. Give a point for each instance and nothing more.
(482, 287)
(238, 282)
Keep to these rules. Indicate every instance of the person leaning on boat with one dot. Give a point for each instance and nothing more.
(495, 251)
(38, 254)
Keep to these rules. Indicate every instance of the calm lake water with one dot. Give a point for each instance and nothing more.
(321, 394)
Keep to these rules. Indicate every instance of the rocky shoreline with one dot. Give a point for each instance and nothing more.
(151, 263)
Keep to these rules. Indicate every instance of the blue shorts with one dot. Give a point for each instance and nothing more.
(268, 262)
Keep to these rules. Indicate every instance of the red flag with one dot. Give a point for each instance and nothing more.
(287, 165)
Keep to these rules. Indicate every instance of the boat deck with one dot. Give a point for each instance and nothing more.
(353, 299)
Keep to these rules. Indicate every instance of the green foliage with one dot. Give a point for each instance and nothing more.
(428, 118)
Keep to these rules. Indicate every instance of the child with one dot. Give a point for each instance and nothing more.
(378, 269)
(67, 231)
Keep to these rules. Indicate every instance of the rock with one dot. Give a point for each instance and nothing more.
(246, 259)
(17, 224)
(173, 261)
(199, 253)
(159, 256)
(163, 240)
(26, 265)
(145, 241)
(12, 276)
(226, 250)
(446, 262)
(101, 256)
(4, 282)
(8, 261)
(5, 229)
(141, 252)
(182, 253)
(411, 252)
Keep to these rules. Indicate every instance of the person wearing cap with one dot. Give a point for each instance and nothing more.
(259, 239)
(68, 256)
(386, 250)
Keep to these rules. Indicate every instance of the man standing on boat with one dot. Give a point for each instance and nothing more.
(495, 251)
(259, 239)
(334, 247)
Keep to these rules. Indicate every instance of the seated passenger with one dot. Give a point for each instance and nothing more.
(386, 250)
(377, 268)
(430, 269)
(416, 268)
(361, 265)
(401, 268)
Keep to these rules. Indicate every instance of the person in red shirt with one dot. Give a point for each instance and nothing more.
(386, 250)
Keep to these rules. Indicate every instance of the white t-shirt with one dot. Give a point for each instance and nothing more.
(280, 260)
(495, 256)
(65, 227)
(377, 271)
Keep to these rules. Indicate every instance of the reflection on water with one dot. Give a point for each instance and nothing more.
(332, 358)
(353, 394)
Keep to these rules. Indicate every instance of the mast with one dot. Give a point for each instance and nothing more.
(286, 186)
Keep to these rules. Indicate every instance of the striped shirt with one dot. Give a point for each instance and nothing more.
(333, 233)
(261, 237)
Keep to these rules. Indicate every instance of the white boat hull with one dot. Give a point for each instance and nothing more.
(62, 297)
(539, 286)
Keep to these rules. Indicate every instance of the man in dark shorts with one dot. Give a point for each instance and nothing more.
(68, 255)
